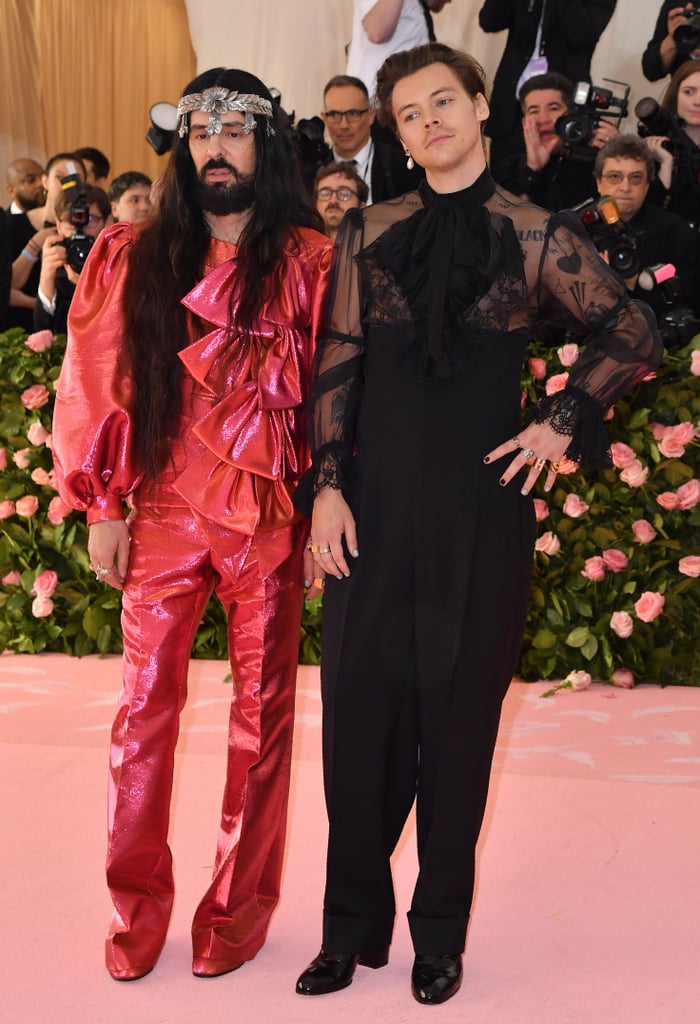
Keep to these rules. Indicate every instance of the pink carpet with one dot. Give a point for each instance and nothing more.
(588, 894)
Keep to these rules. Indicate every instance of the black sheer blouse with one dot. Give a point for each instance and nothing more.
(453, 277)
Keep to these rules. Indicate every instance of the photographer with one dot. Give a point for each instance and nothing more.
(677, 150)
(552, 174)
(662, 56)
(58, 278)
(624, 170)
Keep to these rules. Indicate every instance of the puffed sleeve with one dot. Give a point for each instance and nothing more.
(336, 376)
(620, 340)
(92, 425)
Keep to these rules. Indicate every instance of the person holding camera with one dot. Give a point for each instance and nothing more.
(58, 276)
(624, 170)
(677, 153)
(663, 55)
(551, 173)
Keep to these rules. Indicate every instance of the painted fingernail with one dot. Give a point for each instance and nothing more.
(547, 487)
(307, 583)
(355, 552)
(502, 482)
(346, 575)
(487, 458)
(524, 490)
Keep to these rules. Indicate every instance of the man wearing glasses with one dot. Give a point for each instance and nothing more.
(623, 170)
(355, 137)
(337, 188)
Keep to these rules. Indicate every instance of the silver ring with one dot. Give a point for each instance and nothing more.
(528, 452)
(101, 571)
(324, 551)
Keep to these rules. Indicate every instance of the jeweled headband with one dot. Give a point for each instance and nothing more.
(219, 100)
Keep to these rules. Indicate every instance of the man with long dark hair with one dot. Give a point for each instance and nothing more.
(190, 342)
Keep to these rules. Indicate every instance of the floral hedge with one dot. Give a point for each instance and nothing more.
(615, 592)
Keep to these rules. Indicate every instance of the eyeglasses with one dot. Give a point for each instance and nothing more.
(93, 218)
(617, 177)
(344, 194)
(351, 116)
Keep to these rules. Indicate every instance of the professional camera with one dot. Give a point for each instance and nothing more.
(677, 323)
(687, 36)
(576, 127)
(608, 232)
(79, 244)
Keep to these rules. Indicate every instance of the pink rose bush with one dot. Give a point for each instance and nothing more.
(57, 510)
(690, 565)
(37, 433)
(649, 606)
(27, 506)
(688, 495)
(36, 396)
(548, 543)
(615, 560)
(45, 583)
(538, 368)
(11, 579)
(556, 383)
(635, 474)
(541, 509)
(594, 568)
(568, 354)
(623, 678)
(42, 607)
(643, 531)
(21, 458)
(7, 509)
(622, 624)
(574, 506)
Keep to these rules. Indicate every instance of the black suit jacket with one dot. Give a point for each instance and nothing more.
(651, 58)
(570, 32)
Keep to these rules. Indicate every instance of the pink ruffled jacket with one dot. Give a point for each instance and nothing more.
(241, 446)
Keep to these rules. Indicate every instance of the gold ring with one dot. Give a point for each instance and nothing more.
(319, 582)
(313, 548)
(516, 441)
(554, 467)
(539, 463)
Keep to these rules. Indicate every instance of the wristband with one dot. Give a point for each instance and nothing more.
(29, 255)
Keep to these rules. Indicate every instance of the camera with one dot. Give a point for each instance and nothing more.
(607, 231)
(687, 36)
(79, 244)
(576, 127)
(677, 323)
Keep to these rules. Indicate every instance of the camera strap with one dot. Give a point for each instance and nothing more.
(537, 64)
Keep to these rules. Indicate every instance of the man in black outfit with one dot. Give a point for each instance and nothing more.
(550, 173)
(570, 32)
(661, 56)
(357, 138)
(623, 170)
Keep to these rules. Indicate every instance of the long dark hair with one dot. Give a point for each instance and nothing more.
(168, 257)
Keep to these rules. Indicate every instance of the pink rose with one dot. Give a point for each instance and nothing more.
(688, 494)
(7, 509)
(668, 500)
(35, 396)
(548, 543)
(579, 680)
(643, 531)
(635, 474)
(49, 442)
(57, 510)
(615, 560)
(622, 455)
(27, 506)
(39, 341)
(574, 506)
(622, 624)
(670, 448)
(658, 430)
(623, 677)
(12, 579)
(649, 605)
(690, 565)
(556, 383)
(538, 368)
(568, 354)
(3, 459)
(695, 363)
(683, 432)
(45, 583)
(541, 509)
(594, 568)
(41, 477)
(41, 607)
(567, 466)
(21, 458)
(37, 433)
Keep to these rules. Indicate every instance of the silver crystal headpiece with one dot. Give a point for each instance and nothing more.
(219, 100)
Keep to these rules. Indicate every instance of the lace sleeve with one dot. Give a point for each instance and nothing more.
(621, 343)
(336, 377)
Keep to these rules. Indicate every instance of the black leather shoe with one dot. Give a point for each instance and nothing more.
(436, 977)
(330, 972)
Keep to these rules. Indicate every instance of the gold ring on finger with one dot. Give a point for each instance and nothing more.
(319, 582)
(539, 463)
(554, 467)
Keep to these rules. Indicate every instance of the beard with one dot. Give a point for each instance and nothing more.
(28, 203)
(221, 198)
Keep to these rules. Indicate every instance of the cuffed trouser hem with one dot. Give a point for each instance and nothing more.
(355, 934)
(437, 934)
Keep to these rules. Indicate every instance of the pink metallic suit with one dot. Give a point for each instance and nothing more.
(219, 518)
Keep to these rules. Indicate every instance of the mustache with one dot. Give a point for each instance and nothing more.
(218, 164)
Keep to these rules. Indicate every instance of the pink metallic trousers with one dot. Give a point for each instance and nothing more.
(177, 558)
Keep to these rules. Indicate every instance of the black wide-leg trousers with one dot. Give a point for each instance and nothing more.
(419, 647)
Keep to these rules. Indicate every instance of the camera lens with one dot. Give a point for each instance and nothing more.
(77, 248)
(687, 36)
(623, 258)
(574, 129)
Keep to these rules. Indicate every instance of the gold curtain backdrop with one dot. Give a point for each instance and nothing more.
(85, 73)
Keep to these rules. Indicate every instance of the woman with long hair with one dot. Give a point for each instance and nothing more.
(422, 512)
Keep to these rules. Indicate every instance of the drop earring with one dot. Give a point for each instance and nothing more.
(409, 160)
